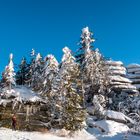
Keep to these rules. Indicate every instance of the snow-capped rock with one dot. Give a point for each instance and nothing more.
(133, 71)
(118, 78)
(21, 94)
(133, 66)
(114, 63)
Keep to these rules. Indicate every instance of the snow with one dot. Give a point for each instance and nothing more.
(22, 94)
(120, 83)
(9, 74)
(111, 127)
(25, 94)
(133, 76)
(135, 80)
(120, 78)
(133, 70)
(8, 134)
(32, 52)
(133, 66)
(85, 30)
(67, 54)
(114, 63)
(4, 102)
(118, 72)
(118, 116)
(38, 57)
(114, 131)
(121, 68)
(124, 87)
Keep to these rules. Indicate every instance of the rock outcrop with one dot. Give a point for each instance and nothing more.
(29, 107)
(118, 78)
(133, 73)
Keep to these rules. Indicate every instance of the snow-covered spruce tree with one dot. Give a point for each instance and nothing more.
(93, 73)
(49, 72)
(100, 79)
(83, 56)
(30, 68)
(8, 75)
(21, 73)
(37, 73)
(86, 47)
(67, 94)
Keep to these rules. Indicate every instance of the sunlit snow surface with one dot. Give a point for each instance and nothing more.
(115, 131)
(8, 134)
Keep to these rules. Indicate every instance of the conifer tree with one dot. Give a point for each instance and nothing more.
(21, 73)
(49, 72)
(67, 94)
(30, 69)
(93, 73)
(9, 74)
(86, 48)
(37, 73)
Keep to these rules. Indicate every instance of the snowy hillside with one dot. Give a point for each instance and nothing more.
(113, 131)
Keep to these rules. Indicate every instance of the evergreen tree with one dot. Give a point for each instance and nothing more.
(49, 72)
(36, 79)
(21, 73)
(100, 79)
(86, 48)
(84, 56)
(8, 76)
(30, 69)
(67, 94)
(93, 72)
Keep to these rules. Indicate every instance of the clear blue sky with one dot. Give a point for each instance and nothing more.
(49, 25)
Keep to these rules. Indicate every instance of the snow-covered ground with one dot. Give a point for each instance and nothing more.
(114, 131)
(8, 134)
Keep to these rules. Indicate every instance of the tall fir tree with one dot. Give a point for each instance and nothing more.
(93, 73)
(86, 48)
(36, 79)
(30, 68)
(49, 72)
(8, 76)
(67, 94)
(21, 73)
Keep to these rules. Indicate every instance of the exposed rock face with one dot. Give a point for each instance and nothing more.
(29, 107)
(133, 73)
(121, 87)
(29, 117)
(118, 79)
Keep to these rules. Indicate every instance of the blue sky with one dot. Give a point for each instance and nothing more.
(49, 25)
